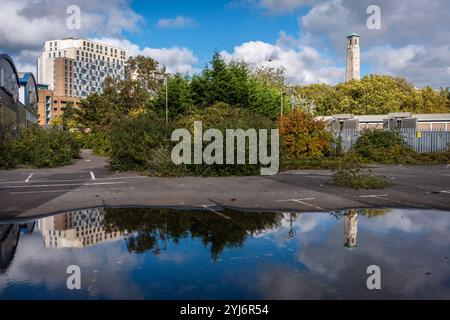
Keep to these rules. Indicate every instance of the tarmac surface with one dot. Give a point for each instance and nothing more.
(88, 183)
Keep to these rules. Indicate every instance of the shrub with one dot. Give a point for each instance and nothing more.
(383, 147)
(221, 116)
(40, 148)
(136, 143)
(144, 143)
(303, 137)
(7, 158)
(348, 174)
(45, 148)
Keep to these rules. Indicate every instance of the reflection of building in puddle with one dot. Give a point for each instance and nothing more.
(351, 228)
(9, 237)
(76, 229)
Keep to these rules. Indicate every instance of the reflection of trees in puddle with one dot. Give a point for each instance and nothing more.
(149, 229)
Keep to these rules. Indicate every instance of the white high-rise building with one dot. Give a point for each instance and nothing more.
(78, 67)
(353, 68)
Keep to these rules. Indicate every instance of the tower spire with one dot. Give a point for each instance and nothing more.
(353, 67)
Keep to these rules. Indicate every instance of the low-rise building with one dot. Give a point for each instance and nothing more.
(28, 96)
(402, 120)
(18, 96)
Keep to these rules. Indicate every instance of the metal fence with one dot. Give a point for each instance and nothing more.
(420, 141)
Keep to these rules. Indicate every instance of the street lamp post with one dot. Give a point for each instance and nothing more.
(166, 82)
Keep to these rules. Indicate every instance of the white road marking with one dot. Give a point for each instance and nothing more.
(218, 213)
(293, 200)
(92, 175)
(445, 191)
(63, 190)
(373, 195)
(302, 201)
(383, 197)
(74, 180)
(63, 185)
(29, 177)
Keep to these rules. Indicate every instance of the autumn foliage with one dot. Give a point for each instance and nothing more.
(303, 137)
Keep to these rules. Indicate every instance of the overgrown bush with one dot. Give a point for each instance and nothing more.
(7, 158)
(39, 148)
(348, 174)
(137, 143)
(303, 137)
(378, 146)
(98, 141)
(221, 116)
(144, 143)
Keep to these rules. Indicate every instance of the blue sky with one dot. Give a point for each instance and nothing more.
(305, 37)
(219, 25)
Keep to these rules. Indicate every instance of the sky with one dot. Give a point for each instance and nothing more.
(305, 37)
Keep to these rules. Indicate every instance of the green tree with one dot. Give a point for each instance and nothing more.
(374, 94)
(179, 97)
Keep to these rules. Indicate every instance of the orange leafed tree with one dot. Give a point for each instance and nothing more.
(303, 137)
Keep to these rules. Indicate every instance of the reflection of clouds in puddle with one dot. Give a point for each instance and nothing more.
(404, 260)
(278, 283)
(409, 221)
(310, 263)
(177, 257)
(399, 242)
(304, 223)
(38, 266)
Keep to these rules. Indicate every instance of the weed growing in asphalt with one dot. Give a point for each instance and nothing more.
(348, 174)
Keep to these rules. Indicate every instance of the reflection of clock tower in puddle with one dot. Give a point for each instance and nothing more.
(351, 228)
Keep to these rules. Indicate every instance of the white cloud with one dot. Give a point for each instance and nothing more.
(177, 22)
(303, 64)
(176, 59)
(413, 42)
(27, 24)
(421, 64)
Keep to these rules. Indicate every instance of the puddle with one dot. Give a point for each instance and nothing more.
(168, 254)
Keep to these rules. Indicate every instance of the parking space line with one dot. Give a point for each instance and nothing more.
(62, 185)
(74, 180)
(63, 190)
(218, 213)
(92, 175)
(29, 177)
(384, 197)
(373, 196)
(302, 201)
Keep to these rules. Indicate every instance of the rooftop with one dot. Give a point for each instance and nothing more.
(353, 34)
